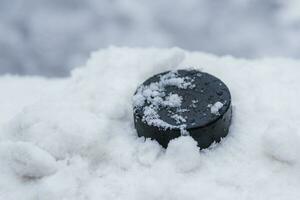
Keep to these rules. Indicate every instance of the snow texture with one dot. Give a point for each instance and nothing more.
(74, 138)
(27, 160)
(214, 109)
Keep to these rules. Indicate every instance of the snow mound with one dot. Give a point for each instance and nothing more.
(184, 154)
(154, 95)
(75, 139)
(46, 124)
(27, 160)
(282, 142)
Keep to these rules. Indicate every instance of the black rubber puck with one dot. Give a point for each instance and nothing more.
(184, 102)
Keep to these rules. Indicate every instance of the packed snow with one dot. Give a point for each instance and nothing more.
(74, 138)
(27, 160)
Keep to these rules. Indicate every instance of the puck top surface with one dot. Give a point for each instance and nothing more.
(183, 99)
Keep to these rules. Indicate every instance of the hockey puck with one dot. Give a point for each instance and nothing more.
(184, 102)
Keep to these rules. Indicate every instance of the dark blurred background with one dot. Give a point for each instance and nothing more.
(50, 37)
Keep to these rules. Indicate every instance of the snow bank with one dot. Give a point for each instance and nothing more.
(74, 138)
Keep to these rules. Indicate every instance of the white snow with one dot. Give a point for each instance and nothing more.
(281, 142)
(183, 154)
(73, 139)
(27, 160)
(173, 100)
(214, 109)
(178, 118)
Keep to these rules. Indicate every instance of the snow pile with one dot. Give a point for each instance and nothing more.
(27, 160)
(74, 138)
(183, 154)
(281, 142)
(214, 109)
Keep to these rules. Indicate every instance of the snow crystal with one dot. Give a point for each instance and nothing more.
(194, 102)
(178, 118)
(153, 119)
(75, 139)
(154, 94)
(214, 109)
(172, 79)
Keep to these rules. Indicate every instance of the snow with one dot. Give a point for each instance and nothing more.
(281, 142)
(178, 118)
(173, 100)
(27, 160)
(214, 109)
(74, 138)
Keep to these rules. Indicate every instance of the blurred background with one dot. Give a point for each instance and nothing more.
(50, 37)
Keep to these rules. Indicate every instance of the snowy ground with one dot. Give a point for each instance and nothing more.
(73, 138)
(50, 37)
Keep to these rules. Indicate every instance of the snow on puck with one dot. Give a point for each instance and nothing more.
(184, 102)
